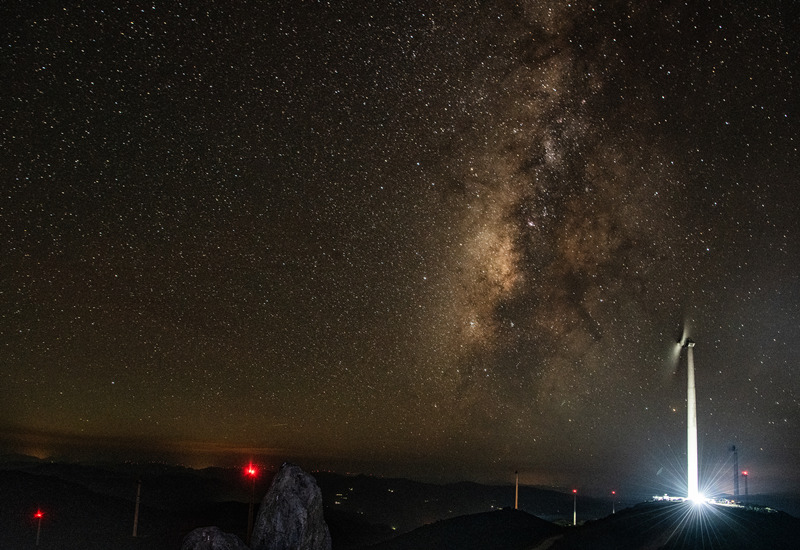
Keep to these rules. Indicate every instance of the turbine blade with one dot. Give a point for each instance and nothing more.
(682, 335)
(676, 357)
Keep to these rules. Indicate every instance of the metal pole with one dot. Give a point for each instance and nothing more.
(516, 492)
(38, 526)
(746, 494)
(250, 512)
(574, 507)
(136, 512)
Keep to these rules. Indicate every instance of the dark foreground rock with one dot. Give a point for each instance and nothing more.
(211, 538)
(290, 517)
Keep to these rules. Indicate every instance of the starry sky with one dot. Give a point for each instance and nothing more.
(435, 239)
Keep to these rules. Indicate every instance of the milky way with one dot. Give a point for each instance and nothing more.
(442, 242)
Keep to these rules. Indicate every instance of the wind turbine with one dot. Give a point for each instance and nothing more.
(693, 475)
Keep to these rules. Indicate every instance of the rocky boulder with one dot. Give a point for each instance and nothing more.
(290, 517)
(211, 538)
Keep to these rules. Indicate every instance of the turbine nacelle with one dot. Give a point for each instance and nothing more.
(682, 341)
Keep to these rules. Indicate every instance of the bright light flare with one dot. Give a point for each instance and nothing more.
(251, 471)
(39, 514)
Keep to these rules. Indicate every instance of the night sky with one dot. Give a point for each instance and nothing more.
(447, 240)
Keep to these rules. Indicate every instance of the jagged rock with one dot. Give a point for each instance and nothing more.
(211, 538)
(290, 517)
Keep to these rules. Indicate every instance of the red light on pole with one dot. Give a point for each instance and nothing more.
(252, 472)
(38, 515)
(745, 475)
(574, 507)
(613, 502)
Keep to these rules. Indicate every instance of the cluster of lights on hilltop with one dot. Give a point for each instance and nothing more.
(709, 495)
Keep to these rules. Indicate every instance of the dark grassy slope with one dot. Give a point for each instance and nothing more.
(648, 526)
(673, 526)
(92, 506)
(508, 529)
(76, 517)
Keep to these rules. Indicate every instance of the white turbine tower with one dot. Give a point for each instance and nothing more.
(693, 471)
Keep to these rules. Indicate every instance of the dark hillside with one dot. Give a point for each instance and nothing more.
(88, 507)
(679, 525)
(508, 529)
